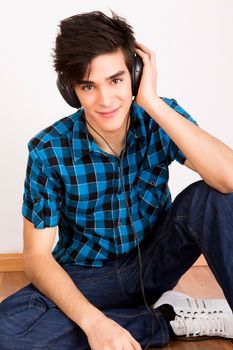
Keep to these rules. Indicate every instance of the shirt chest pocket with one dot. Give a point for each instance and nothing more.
(151, 185)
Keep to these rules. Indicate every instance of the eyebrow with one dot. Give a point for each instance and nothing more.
(114, 76)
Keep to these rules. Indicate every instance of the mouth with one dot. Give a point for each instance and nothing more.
(109, 114)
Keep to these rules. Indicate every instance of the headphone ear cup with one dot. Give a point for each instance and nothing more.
(136, 73)
(67, 93)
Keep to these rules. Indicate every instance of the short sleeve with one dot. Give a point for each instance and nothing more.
(173, 152)
(42, 193)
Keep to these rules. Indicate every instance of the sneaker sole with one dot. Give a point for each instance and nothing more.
(196, 339)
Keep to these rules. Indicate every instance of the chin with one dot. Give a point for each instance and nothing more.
(112, 128)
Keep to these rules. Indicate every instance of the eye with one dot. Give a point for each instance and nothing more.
(87, 87)
(117, 81)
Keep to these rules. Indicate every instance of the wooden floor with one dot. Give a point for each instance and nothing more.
(197, 282)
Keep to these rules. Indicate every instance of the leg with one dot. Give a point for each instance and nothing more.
(29, 320)
(200, 220)
(209, 222)
(191, 226)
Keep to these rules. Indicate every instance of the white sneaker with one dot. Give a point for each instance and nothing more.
(198, 317)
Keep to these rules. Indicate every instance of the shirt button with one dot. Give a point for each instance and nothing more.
(119, 223)
(152, 183)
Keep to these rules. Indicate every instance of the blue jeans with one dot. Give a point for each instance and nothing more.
(200, 220)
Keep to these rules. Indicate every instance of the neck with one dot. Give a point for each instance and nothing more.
(115, 139)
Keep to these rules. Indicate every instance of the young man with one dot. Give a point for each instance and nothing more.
(101, 176)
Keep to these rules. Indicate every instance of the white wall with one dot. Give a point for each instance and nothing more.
(194, 48)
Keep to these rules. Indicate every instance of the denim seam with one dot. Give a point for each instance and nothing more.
(128, 316)
(195, 236)
(165, 335)
(212, 266)
(120, 282)
(20, 309)
(202, 248)
(30, 305)
(206, 255)
(93, 279)
(167, 231)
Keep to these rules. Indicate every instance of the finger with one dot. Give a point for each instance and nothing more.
(142, 46)
(127, 346)
(143, 55)
(149, 53)
(145, 49)
(135, 344)
(146, 59)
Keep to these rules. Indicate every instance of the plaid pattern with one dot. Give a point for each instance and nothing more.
(72, 183)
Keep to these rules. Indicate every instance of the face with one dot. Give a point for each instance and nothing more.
(106, 95)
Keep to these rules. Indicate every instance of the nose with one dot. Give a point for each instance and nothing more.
(105, 97)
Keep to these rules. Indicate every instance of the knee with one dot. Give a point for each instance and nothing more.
(14, 314)
(202, 188)
(195, 190)
(206, 199)
(198, 195)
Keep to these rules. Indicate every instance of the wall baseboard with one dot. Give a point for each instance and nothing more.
(14, 262)
(11, 262)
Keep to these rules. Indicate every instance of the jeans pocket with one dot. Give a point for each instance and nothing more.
(39, 305)
(41, 302)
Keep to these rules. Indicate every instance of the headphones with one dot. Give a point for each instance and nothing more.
(71, 98)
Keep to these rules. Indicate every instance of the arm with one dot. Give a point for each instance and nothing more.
(211, 158)
(206, 153)
(53, 281)
(188, 164)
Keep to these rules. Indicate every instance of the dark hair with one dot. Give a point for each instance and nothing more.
(84, 36)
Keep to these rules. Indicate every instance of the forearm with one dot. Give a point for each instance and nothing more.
(54, 282)
(212, 159)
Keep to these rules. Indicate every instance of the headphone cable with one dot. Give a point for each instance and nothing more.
(132, 224)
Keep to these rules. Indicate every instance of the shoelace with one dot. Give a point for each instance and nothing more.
(201, 325)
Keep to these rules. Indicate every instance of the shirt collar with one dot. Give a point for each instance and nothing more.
(83, 142)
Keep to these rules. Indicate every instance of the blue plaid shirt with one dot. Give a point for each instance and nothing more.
(73, 184)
